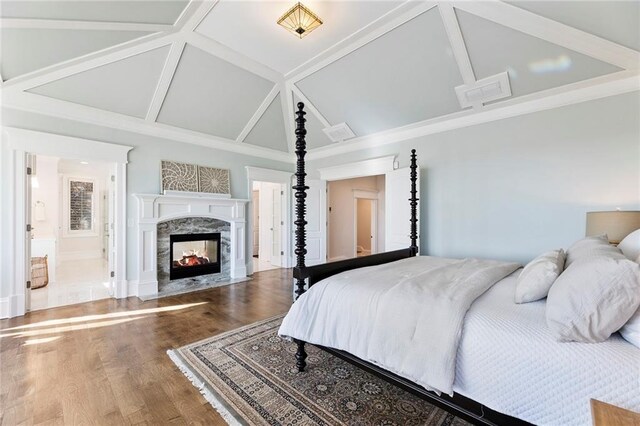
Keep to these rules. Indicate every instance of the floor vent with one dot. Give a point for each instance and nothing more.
(339, 132)
(485, 90)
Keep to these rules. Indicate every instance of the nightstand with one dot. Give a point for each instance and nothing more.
(604, 414)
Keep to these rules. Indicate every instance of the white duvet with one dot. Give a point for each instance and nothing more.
(406, 316)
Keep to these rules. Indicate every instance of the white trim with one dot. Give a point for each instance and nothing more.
(382, 25)
(77, 255)
(372, 167)
(227, 54)
(309, 106)
(258, 174)
(553, 31)
(259, 113)
(60, 24)
(364, 194)
(166, 76)
(194, 14)
(288, 113)
(88, 61)
(599, 87)
(5, 312)
(68, 110)
(65, 146)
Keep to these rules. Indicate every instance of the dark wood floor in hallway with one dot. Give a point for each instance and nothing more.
(105, 362)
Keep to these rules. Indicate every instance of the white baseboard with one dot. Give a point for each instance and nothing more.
(12, 306)
(143, 289)
(79, 255)
(4, 307)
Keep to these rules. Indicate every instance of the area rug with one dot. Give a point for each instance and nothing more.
(249, 376)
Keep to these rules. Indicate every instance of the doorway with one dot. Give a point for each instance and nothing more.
(268, 206)
(71, 244)
(366, 226)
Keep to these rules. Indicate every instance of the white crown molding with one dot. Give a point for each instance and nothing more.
(378, 28)
(596, 88)
(372, 167)
(67, 110)
(87, 62)
(259, 113)
(168, 72)
(309, 106)
(194, 14)
(227, 54)
(553, 32)
(59, 24)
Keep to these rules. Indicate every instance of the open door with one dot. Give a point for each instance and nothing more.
(397, 209)
(110, 229)
(276, 235)
(31, 167)
(316, 222)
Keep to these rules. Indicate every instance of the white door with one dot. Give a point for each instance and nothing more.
(397, 209)
(316, 222)
(31, 164)
(276, 225)
(111, 240)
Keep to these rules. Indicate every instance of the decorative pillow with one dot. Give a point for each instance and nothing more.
(630, 246)
(593, 298)
(631, 330)
(591, 247)
(536, 278)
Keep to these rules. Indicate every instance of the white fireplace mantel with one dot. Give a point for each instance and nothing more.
(154, 208)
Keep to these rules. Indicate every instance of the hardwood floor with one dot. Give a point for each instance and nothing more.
(105, 362)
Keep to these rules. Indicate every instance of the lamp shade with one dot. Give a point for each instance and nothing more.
(616, 224)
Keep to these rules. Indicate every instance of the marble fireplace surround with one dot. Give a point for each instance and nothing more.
(154, 209)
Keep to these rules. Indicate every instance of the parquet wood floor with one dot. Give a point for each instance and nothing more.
(105, 362)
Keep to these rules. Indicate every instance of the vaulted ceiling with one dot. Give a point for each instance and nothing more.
(222, 73)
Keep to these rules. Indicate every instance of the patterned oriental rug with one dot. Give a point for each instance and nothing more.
(249, 376)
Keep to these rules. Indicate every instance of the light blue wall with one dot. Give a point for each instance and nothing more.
(143, 169)
(513, 188)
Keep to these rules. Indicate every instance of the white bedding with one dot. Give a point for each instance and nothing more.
(508, 360)
(406, 316)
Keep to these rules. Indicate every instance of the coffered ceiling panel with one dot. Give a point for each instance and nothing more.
(533, 64)
(250, 28)
(615, 21)
(316, 138)
(126, 86)
(149, 12)
(25, 50)
(405, 76)
(269, 131)
(212, 96)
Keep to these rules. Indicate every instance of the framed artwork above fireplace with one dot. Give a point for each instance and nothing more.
(183, 177)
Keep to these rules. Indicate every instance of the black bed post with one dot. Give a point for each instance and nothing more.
(413, 201)
(300, 222)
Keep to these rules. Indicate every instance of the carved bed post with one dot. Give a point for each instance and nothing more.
(300, 222)
(413, 201)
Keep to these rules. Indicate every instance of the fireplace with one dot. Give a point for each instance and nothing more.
(194, 254)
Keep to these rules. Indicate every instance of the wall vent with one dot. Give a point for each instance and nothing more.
(339, 132)
(485, 90)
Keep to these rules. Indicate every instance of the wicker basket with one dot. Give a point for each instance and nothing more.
(39, 272)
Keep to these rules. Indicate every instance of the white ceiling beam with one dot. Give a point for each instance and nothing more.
(587, 90)
(458, 46)
(168, 71)
(90, 61)
(553, 32)
(59, 24)
(286, 95)
(378, 28)
(259, 113)
(309, 106)
(194, 13)
(67, 110)
(223, 52)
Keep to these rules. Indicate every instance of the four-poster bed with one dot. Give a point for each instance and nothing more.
(308, 276)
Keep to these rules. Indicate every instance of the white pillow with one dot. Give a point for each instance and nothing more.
(591, 247)
(536, 278)
(630, 245)
(593, 298)
(631, 330)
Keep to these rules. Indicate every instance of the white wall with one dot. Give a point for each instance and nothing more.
(47, 192)
(341, 216)
(143, 169)
(513, 188)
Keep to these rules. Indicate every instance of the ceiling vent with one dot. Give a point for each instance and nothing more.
(485, 90)
(339, 132)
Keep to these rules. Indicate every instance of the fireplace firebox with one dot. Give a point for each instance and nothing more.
(194, 254)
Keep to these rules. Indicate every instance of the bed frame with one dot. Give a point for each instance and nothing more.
(459, 405)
